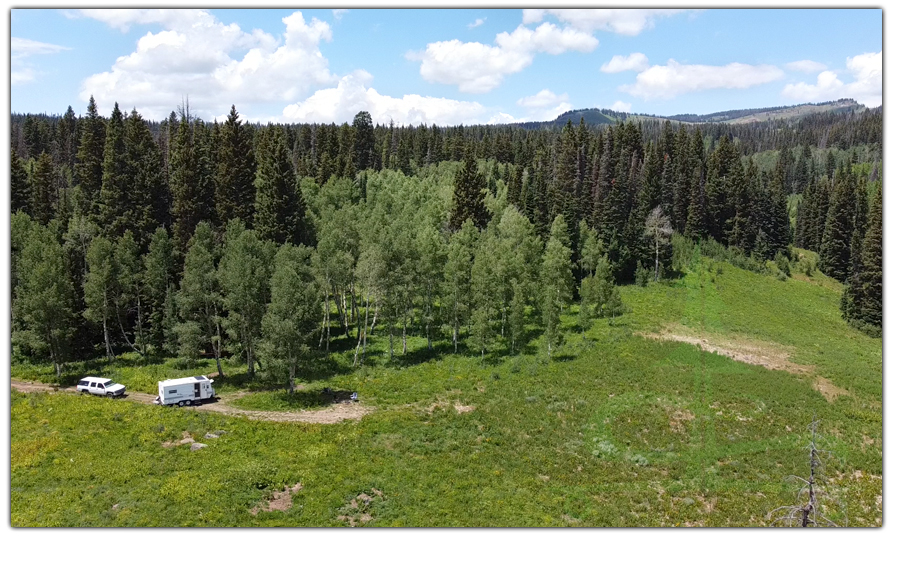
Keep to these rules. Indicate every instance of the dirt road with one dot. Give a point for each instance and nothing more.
(333, 414)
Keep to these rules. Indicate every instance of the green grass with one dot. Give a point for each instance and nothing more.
(614, 430)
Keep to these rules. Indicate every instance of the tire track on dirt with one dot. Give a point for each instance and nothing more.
(335, 413)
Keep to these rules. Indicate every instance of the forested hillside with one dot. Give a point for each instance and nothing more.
(187, 237)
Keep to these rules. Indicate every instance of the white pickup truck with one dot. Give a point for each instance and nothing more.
(100, 387)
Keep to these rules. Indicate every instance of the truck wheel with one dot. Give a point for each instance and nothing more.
(110, 395)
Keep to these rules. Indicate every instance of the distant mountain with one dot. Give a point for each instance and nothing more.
(607, 116)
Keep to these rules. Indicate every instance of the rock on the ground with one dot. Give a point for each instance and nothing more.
(198, 446)
(186, 441)
(210, 435)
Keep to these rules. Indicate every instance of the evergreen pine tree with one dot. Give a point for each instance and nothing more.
(235, 172)
(696, 225)
(20, 187)
(853, 298)
(89, 165)
(113, 204)
(871, 309)
(835, 249)
(279, 205)
(468, 198)
(43, 190)
(148, 195)
(184, 183)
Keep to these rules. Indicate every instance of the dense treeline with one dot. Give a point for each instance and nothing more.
(184, 237)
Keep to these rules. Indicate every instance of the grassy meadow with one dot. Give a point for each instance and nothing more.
(616, 429)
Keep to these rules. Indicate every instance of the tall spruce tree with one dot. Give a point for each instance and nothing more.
(44, 196)
(468, 198)
(834, 253)
(853, 299)
(871, 308)
(364, 141)
(20, 187)
(89, 165)
(114, 204)
(148, 194)
(184, 182)
(279, 205)
(235, 172)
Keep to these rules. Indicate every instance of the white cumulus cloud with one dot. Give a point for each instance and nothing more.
(673, 79)
(545, 105)
(478, 68)
(633, 62)
(339, 13)
(354, 94)
(543, 98)
(627, 21)
(478, 22)
(806, 66)
(192, 57)
(865, 88)
(621, 106)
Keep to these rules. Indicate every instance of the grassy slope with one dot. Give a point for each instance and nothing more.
(615, 430)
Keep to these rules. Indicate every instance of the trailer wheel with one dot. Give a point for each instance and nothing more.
(181, 403)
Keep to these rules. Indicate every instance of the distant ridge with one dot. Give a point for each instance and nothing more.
(596, 116)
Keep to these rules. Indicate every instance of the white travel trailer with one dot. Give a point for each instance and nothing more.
(185, 391)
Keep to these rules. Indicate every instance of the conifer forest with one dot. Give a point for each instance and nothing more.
(602, 320)
(183, 237)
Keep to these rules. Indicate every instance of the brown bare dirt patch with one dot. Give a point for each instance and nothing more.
(769, 355)
(749, 351)
(333, 414)
(280, 501)
(828, 389)
(678, 417)
(359, 510)
(457, 405)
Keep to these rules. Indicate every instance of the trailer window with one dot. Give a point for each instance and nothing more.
(173, 391)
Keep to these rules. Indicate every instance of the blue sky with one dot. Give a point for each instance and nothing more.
(446, 66)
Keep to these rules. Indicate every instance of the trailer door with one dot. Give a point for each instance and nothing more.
(196, 389)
